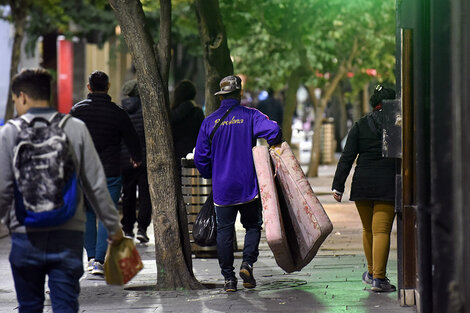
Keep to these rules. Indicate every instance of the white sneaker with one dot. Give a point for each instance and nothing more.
(98, 268)
(90, 264)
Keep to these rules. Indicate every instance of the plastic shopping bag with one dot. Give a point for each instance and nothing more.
(205, 225)
(122, 262)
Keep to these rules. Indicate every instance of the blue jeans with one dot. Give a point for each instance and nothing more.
(251, 219)
(96, 237)
(57, 254)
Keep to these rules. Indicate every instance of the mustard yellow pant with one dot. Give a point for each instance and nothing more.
(377, 219)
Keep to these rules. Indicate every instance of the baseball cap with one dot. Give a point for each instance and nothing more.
(229, 84)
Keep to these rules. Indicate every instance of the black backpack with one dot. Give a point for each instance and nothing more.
(44, 169)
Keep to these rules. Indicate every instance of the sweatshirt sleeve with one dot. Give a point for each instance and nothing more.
(7, 137)
(265, 128)
(93, 182)
(347, 159)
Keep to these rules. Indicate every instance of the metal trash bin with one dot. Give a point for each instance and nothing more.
(327, 142)
(195, 190)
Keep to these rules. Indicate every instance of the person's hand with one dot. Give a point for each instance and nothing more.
(338, 196)
(135, 164)
(115, 238)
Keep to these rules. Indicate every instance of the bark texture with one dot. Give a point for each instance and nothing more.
(217, 62)
(174, 266)
(19, 12)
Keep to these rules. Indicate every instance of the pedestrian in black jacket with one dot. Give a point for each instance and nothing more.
(135, 179)
(108, 124)
(372, 189)
(186, 119)
(272, 108)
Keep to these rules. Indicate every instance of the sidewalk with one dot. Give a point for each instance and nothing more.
(330, 283)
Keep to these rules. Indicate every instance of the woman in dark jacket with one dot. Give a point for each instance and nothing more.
(372, 189)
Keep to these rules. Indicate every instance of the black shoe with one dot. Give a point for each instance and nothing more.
(231, 285)
(129, 234)
(382, 285)
(142, 237)
(246, 272)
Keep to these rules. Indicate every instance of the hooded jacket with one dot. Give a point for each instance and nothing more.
(133, 107)
(229, 160)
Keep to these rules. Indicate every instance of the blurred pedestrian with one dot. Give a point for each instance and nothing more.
(225, 155)
(108, 125)
(272, 107)
(134, 179)
(372, 189)
(186, 119)
(54, 251)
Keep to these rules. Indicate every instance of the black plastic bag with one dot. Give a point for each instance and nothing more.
(205, 226)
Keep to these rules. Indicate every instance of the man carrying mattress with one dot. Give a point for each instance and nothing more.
(224, 153)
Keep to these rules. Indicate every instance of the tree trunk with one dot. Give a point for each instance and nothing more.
(339, 115)
(290, 104)
(174, 267)
(319, 110)
(316, 139)
(217, 62)
(19, 10)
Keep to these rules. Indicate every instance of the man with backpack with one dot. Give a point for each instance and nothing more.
(47, 159)
(108, 124)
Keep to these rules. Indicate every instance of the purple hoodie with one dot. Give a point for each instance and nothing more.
(230, 163)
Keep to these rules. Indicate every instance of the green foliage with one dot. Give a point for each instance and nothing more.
(91, 19)
(184, 24)
(269, 39)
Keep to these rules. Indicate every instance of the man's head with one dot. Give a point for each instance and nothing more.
(230, 87)
(98, 81)
(31, 88)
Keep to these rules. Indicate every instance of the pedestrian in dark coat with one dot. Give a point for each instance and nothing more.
(134, 180)
(186, 119)
(272, 108)
(372, 189)
(108, 124)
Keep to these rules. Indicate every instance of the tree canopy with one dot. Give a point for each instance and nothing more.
(270, 39)
(313, 42)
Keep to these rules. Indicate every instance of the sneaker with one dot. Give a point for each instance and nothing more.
(129, 234)
(367, 278)
(90, 264)
(246, 272)
(142, 237)
(382, 285)
(98, 268)
(230, 285)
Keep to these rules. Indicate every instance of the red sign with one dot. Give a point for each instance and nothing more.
(64, 75)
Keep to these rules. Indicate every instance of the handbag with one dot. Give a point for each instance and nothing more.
(205, 225)
(122, 262)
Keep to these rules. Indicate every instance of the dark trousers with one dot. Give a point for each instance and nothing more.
(131, 179)
(251, 219)
(56, 254)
